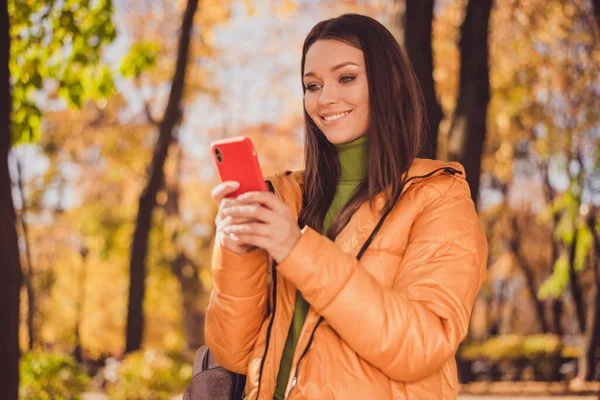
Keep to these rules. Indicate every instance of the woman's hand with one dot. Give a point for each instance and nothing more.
(221, 221)
(274, 227)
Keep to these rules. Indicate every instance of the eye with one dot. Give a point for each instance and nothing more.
(313, 87)
(346, 79)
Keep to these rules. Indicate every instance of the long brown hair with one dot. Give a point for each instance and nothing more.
(395, 127)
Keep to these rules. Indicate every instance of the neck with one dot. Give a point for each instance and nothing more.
(354, 158)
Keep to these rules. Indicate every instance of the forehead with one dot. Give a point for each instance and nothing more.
(324, 54)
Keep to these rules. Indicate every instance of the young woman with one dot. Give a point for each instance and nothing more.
(378, 255)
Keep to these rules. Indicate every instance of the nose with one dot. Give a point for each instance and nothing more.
(328, 95)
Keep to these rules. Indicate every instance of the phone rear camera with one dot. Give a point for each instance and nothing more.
(218, 154)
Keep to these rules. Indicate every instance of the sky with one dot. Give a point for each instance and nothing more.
(258, 75)
(259, 66)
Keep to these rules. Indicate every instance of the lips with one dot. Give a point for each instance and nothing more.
(334, 117)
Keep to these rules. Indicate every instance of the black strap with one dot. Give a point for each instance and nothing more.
(449, 170)
(205, 360)
(270, 185)
(369, 240)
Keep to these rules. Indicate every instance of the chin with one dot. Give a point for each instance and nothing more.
(340, 138)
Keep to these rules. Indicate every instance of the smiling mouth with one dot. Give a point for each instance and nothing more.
(335, 118)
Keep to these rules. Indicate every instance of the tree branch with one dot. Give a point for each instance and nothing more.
(529, 277)
(28, 271)
(468, 128)
(147, 202)
(596, 4)
(10, 266)
(418, 22)
(148, 113)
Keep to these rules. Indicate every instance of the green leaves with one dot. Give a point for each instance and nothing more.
(56, 48)
(554, 286)
(51, 376)
(150, 374)
(141, 57)
(571, 230)
(556, 283)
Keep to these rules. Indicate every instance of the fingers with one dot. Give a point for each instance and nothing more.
(221, 223)
(265, 207)
(251, 240)
(267, 199)
(252, 228)
(250, 211)
(224, 189)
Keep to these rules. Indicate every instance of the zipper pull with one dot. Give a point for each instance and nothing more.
(294, 381)
(452, 171)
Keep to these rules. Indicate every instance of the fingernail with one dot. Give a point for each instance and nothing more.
(234, 184)
(233, 236)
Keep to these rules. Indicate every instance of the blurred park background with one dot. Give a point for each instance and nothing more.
(114, 105)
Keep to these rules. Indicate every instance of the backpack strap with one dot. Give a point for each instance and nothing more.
(270, 185)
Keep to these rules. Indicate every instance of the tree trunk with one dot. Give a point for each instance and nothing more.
(417, 42)
(467, 132)
(78, 350)
(596, 4)
(10, 267)
(529, 277)
(575, 287)
(191, 289)
(591, 336)
(28, 273)
(556, 305)
(184, 269)
(147, 202)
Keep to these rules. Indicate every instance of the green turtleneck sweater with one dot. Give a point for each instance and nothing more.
(353, 158)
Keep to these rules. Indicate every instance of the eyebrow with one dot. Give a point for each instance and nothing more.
(334, 68)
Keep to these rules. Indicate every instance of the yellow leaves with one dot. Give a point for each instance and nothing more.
(250, 9)
(453, 14)
(287, 8)
(161, 198)
(522, 17)
(502, 268)
(505, 152)
(181, 4)
(445, 36)
(212, 13)
(503, 122)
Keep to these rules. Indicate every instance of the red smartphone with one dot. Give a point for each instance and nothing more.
(236, 160)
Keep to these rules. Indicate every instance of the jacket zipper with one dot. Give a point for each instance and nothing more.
(451, 171)
(312, 335)
(262, 362)
(274, 278)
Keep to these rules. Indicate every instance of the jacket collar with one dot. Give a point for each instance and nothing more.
(424, 166)
(421, 169)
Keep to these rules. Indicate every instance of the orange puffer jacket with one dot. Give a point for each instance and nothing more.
(384, 327)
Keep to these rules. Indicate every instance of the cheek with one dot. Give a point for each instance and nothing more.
(361, 100)
(310, 104)
(364, 96)
(359, 96)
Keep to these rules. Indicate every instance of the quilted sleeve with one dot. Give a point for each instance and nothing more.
(409, 330)
(237, 307)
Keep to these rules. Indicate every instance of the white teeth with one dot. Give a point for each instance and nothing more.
(336, 116)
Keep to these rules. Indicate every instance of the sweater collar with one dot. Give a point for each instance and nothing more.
(354, 159)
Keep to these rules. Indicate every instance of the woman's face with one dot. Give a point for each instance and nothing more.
(337, 91)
